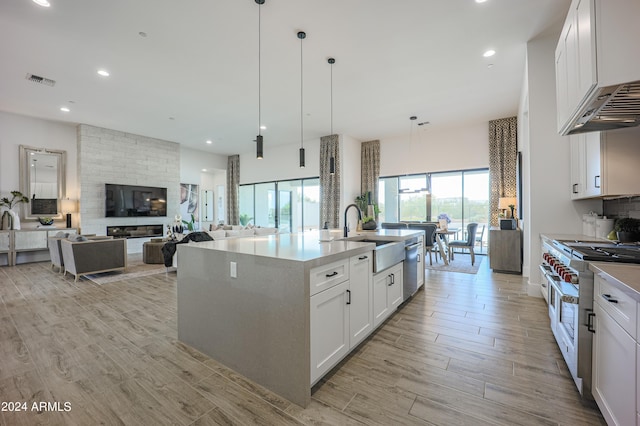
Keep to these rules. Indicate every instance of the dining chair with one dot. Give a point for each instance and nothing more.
(429, 237)
(479, 237)
(469, 243)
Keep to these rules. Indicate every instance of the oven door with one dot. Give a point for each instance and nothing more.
(565, 328)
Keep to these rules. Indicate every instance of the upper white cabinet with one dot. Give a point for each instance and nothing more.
(603, 163)
(595, 50)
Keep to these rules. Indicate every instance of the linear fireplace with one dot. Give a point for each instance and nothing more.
(135, 231)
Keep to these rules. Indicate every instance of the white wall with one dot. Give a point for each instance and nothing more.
(281, 162)
(548, 205)
(16, 130)
(431, 150)
(350, 153)
(192, 162)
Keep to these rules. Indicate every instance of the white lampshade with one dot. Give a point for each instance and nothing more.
(68, 206)
(505, 202)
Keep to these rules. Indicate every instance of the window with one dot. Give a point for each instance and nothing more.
(291, 206)
(413, 198)
(462, 195)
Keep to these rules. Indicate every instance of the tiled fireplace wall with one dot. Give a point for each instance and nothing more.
(110, 156)
(621, 207)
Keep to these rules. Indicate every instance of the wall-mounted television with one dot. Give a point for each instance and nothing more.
(133, 200)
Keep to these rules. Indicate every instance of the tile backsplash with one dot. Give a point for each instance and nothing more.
(622, 207)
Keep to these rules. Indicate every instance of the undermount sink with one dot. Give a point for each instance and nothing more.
(386, 254)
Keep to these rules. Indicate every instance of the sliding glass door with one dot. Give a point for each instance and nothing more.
(291, 206)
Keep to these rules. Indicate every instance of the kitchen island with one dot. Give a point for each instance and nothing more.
(249, 303)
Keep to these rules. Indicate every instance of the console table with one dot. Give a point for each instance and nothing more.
(505, 250)
(28, 245)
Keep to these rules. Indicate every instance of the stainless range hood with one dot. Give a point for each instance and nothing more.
(608, 108)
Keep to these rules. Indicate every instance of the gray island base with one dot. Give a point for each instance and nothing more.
(245, 302)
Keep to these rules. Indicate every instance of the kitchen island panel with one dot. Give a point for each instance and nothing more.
(257, 324)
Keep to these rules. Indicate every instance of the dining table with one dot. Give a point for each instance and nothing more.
(442, 238)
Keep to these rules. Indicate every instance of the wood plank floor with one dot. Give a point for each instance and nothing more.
(468, 350)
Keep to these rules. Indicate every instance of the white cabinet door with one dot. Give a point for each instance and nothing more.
(421, 266)
(578, 172)
(586, 40)
(594, 181)
(30, 240)
(360, 298)
(561, 85)
(395, 287)
(329, 325)
(614, 361)
(381, 304)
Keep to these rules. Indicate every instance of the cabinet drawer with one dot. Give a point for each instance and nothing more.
(326, 276)
(622, 307)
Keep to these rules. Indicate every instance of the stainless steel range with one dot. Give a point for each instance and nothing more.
(569, 285)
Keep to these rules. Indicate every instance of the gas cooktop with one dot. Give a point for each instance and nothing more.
(603, 252)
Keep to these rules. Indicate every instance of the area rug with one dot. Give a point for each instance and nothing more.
(135, 269)
(461, 263)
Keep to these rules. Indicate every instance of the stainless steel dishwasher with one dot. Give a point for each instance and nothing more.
(410, 269)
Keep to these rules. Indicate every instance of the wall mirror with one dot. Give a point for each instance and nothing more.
(42, 180)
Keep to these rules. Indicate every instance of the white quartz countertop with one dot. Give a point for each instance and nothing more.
(305, 246)
(624, 273)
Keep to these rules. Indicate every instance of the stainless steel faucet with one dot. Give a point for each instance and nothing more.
(346, 226)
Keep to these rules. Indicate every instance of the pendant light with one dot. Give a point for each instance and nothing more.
(332, 160)
(301, 35)
(259, 141)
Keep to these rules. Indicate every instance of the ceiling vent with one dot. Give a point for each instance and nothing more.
(40, 80)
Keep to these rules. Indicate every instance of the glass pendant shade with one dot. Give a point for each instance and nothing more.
(332, 166)
(302, 158)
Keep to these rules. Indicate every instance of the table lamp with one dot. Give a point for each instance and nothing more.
(68, 206)
(505, 203)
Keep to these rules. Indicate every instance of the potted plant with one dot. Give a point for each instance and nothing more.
(9, 217)
(628, 230)
(190, 224)
(369, 211)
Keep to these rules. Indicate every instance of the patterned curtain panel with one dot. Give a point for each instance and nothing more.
(503, 154)
(329, 184)
(370, 169)
(233, 189)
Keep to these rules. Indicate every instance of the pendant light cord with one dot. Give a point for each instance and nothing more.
(331, 97)
(301, 98)
(259, 72)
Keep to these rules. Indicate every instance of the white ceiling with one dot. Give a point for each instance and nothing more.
(199, 65)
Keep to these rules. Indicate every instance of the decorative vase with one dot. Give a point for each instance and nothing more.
(370, 225)
(628, 237)
(10, 220)
(7, 220)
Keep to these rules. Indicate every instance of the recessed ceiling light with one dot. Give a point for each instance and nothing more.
(142, 34)
(209, 142)
(489, 53)
(171, 118)
(480, 1)
(263, 127)
(204, 170)
(64, 109)
(43, 3)
(103, 73)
